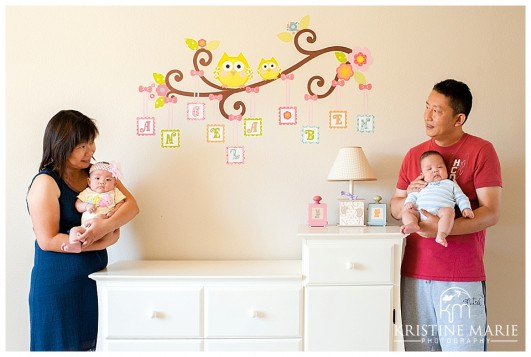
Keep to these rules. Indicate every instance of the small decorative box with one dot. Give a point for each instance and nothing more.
(351, 212)
(317, 213)
(377, 212)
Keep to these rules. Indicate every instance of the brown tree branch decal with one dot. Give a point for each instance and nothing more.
(317, 85)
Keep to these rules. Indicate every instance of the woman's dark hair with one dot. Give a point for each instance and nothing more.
(458, 93)
(66, 130)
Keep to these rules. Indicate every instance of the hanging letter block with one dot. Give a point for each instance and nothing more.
(235, 154)
(338, 119)
(215, 133)
(287, 115)
(252, 126)
(170, 138)
(310, 135)
(195, 111)
(145, 126)
(366, 123)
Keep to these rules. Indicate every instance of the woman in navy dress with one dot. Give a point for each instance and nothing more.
(63, 299)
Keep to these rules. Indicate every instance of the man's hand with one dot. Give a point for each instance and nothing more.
(428, 227)
(417, 184)
(397, 201)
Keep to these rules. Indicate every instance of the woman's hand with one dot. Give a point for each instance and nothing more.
(105, 241)
(111, 212)
(417, 184)
(92, 231)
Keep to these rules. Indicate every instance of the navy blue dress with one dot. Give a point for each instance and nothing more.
(63, 300)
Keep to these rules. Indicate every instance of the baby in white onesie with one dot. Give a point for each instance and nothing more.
(439, 197)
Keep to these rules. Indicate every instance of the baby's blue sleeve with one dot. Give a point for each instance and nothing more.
(460, 198)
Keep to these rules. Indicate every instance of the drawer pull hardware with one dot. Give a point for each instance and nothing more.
(351, 265)
(253, 314)
(153, 314)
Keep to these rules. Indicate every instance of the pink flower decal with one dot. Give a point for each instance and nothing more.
(360, 58)
(344, 71)
(202, 43)
(162, 90)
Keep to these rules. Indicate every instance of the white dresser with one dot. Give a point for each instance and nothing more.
(200, 306)
(351, 288)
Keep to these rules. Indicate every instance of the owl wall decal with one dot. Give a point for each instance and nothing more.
(269, 68)
(233, 72)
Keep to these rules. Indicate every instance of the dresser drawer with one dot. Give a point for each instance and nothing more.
(350, 261)
(153, 312)
(253, 311)
(154, 345)
(256, 344)
(359, 319)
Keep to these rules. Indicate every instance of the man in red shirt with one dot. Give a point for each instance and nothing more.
(443, 288)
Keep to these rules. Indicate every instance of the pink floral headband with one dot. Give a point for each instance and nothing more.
(111, 167)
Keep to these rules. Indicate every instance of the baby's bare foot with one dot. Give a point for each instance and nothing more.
(409, 228)
(442, 241)
(71, 248)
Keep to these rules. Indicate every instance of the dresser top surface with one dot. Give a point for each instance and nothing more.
(202, 269)
(335, 231)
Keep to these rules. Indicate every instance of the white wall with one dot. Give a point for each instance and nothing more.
(193, 205)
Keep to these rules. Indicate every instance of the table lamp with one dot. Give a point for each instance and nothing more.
(351, 165)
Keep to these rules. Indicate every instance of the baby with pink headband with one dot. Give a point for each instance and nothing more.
(99, 200)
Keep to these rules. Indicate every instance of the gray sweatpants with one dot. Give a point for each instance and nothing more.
(443, 315)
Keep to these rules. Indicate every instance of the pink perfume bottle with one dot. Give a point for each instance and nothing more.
(317, 213)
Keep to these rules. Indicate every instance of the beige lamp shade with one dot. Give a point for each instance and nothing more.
(351, 164)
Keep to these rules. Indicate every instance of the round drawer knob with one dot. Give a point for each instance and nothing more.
(253, 314)
(153, 314)
(350, 265)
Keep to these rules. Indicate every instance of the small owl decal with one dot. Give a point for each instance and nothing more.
(268, 68)
(233, 72)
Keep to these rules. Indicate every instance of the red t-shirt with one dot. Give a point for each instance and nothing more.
(473, 163)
